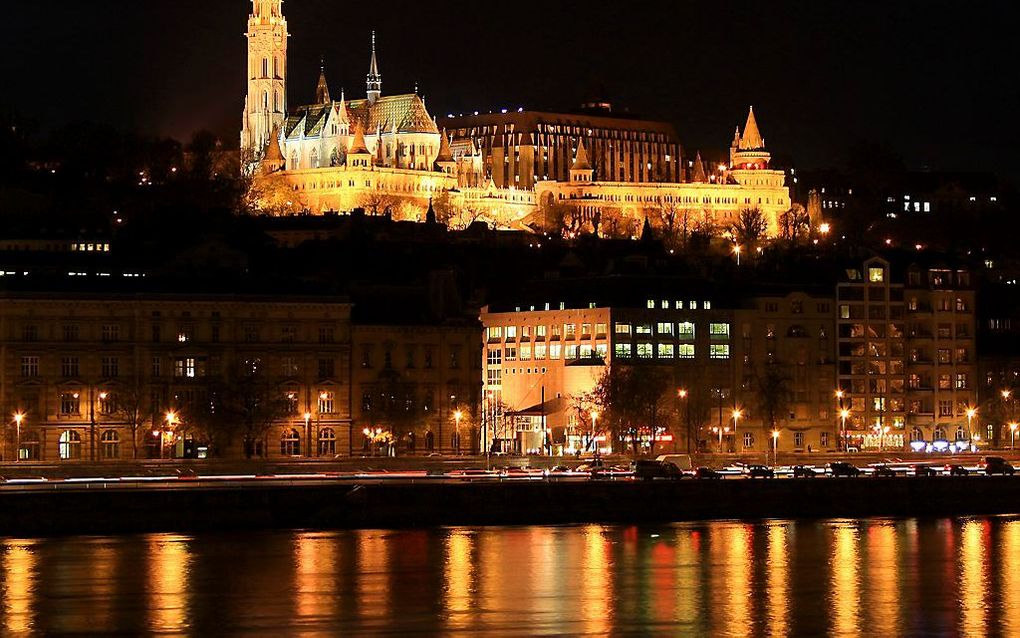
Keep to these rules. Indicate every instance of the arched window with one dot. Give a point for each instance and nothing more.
(916, 434)
(960, 434)
(290, 443)
(939, 434)
(265, 100)
(314, 159)
(327, 442)
(294, 165)
(69, 446)
(265, 67)
(276, 101)
(30, 447)
(110, 444)
(276, 67)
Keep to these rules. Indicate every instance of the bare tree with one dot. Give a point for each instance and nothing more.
(750, 228)
(774, 395)
(794, 224)
(132, 405)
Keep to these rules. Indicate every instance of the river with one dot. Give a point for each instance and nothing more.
(870, 577)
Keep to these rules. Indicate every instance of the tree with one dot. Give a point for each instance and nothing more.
(794, 224)
(633, 398)
(132, 405)
(750, 228)
(696, 407)
(774, 395)
(378, 203)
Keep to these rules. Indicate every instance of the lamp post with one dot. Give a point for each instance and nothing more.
(591, 439)
(1012, 434)
(843, 415)
(1007, 394)
(18, 418)
(736, 251)
(971, 413)
(737, 414)
(171, 418)
(775, 447)
(97, 421)
(308, 423)
(457, 416)
(839, 399)
(682, 393)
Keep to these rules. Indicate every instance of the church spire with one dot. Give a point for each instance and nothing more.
(698, 176)
(322, 90)
(752, 139)
(374, 80)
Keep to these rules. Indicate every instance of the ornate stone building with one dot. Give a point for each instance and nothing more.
(716, 195)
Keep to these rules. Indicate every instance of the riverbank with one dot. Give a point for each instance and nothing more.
(200, 506)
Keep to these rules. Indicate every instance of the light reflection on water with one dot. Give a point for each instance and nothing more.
(774, 578)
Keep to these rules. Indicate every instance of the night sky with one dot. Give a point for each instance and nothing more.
(935, 81)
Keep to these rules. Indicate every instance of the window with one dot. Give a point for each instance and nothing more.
(70, 403)
(69, 445)
(622, 328)
(288, 334)
(945, 355)
(540, 332)
(719, 331)
(685, 331)
(110, 445)
(945, 409)
(71, 332)
(719, 351)
(69, 367)
(823, 439)
(185, 334)
(290, 443)
(600, 330)
(327, 368)
(30, 366)
(110, 333)
(554, 351)
(798, 439)
(539, 352)
(571, 351)
(570, 331)
(157, 367)
(185, 368)
(251, 333)
(644, 329)
(666, 350)
(110, 367)
(748, 440)
(644, 351)
(665, 328)
(510, 354)
(494, 355)
(327, 442)
(685, 351)
(30, 332)
(326, 334)
(945, 382)
(526, 352)
(511, 333)
(327, 402)
(289, 367)
(962, 381)
(876, 274)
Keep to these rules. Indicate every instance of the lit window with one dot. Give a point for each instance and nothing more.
(876, 274)
(685, 351)
(719, 351)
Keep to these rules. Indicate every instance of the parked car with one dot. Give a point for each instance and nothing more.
(706, 473)
(925, 470)
(803, 471)
(955, 469)
(760, 471)
(998, 465)
(841, 468)
(648, 470)
(559, 469)
(681, 461)
(883, 471)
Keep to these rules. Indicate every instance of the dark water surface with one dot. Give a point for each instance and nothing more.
(842, 577)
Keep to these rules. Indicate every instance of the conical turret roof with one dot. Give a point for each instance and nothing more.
(274, 153)
(445, 154)
(752, 138)
(322, 89)
(581, 162)
(358, 145)
(699, 169)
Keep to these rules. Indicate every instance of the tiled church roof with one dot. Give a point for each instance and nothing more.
(406, 113)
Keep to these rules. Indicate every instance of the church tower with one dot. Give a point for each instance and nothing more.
(374, 80)
(265, 106)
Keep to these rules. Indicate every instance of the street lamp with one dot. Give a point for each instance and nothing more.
(18, 418)
(456, 419)
(971, 413)
(171, 418)
(737, 415)
(736, 251)
(775, 447)
(682, 393)
(1012, 434)
(591, 439)
(844, 414)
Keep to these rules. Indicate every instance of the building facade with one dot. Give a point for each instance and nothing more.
(109, 376)
(711, 196)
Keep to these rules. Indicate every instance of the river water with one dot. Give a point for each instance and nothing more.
(842, 577)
